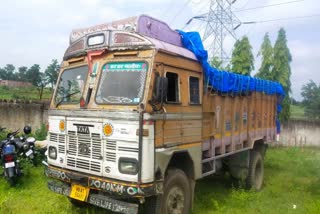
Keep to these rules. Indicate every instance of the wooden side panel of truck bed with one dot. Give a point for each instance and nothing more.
(220, 123)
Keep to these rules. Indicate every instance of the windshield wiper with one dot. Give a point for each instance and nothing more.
(66, 96)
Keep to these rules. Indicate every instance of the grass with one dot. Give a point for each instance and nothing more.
(292, 177)
(297, 112)
(23, 93)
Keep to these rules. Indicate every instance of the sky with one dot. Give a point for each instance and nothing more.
(37, 31)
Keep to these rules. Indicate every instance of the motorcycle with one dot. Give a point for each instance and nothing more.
(28, 145)
(10, 149)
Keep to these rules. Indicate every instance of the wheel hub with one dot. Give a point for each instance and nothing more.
(175, 201)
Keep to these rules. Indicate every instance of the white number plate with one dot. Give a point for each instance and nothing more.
(28, 153)
(10, 164)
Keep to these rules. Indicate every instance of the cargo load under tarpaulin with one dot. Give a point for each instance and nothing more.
(228, 82)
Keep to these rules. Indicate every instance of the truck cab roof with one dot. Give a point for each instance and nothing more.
(140, 32)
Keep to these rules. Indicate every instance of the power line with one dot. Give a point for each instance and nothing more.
(243, 6)
(201, 9)
(270, 5)
(179, 12)
(282, 19)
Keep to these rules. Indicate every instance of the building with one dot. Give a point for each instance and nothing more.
(12, 83)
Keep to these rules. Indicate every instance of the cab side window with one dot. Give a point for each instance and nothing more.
(173, 87)
(194, 90)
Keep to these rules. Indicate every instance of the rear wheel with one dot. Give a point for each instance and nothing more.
(256, 171)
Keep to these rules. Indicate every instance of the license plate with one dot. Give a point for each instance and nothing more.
(28, 153)
(79, 192)
(10, 164)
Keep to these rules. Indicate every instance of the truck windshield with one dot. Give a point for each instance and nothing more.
(71, 85)
(122, 83)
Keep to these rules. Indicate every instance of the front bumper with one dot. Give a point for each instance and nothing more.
(97, 200)
(112, 187)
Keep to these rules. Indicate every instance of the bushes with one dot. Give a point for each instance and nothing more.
(41, 133)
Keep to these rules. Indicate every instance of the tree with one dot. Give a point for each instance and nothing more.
(7, 73)
(216, 63)
(242, 61)
(33, 75)
(36, 78)
(281, 70)
(22, 73)
(311, 99)
(266, 51)
(51, 73)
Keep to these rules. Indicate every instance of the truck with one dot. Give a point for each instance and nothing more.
(138, 116)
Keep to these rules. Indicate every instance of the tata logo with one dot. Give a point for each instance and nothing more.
(83, 128)
(84, 149)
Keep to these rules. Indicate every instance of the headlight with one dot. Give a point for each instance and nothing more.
(128, 166)
(52, 152)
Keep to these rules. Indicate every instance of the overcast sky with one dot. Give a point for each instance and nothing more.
(37, 31)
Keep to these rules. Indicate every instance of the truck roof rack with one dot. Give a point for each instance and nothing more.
(143, 25)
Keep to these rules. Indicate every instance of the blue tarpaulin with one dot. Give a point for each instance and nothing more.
(229, 82)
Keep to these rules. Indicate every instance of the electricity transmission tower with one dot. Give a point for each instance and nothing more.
(220, 22)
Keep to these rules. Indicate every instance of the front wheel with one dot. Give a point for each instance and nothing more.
(256, 171)
(176, 198)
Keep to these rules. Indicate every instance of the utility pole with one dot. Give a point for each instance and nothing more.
(220, 22)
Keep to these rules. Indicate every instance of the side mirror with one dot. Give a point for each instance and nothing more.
(161, 89)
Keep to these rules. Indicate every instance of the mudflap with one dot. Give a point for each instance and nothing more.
(97, 200)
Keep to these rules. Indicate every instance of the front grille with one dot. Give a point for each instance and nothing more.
(84, 151)
(77, 143)
(61, 140)
(111, 148)
(85, 164)
(53, 137)
(128, 149)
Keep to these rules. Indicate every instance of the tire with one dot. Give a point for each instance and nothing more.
(256, 171)
(176, 188)
(77, 203)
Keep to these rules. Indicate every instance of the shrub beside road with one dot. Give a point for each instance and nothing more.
(292, 185)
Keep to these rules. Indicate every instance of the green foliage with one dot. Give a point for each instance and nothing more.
(51, 73)
(286, 111)
(282, 58)
(266, 51)
(22, 73)
(41, 133)
(23, 93)
(311, 99)
(216, 63)
(291, 178)
(242, 58)
(7, 73)
(34, 75)
(281, 70)
(297, 111)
